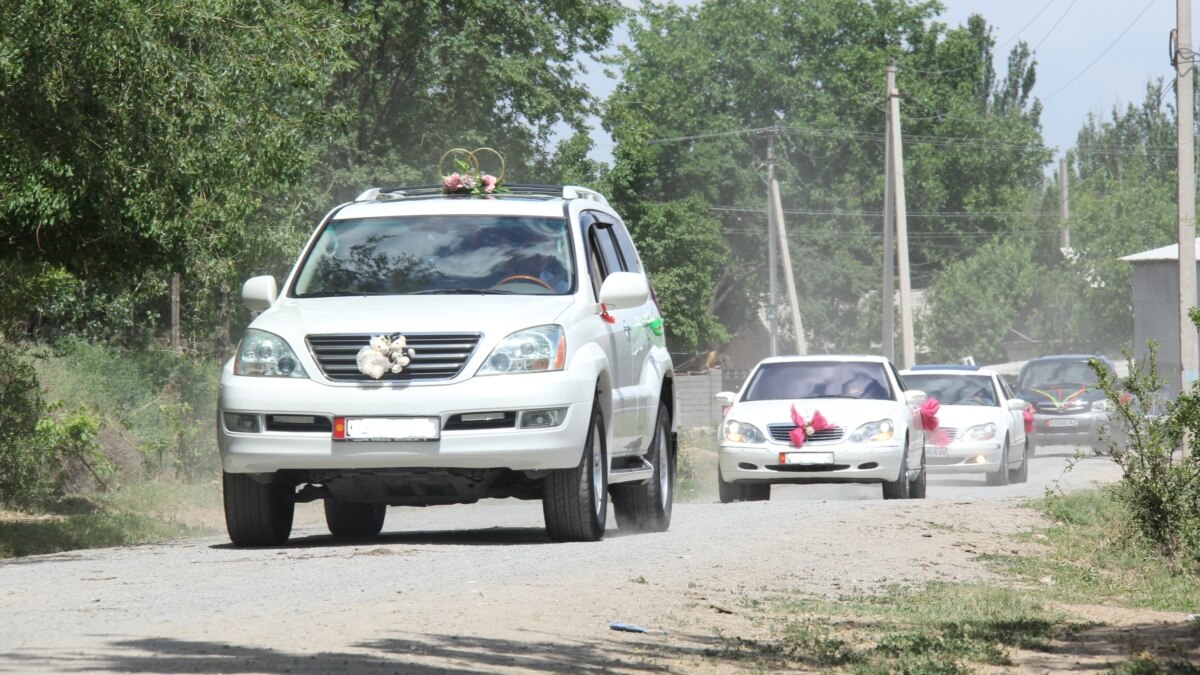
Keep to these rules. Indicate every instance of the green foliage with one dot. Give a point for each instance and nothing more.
(811, 75)
(1160, 485)
(973, 303)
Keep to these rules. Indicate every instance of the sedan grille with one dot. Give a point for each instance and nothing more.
(950, 432)
(436, 356)
(779, 433)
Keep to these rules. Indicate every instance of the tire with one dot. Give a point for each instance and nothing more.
(575, 501)
(916, 487)
(898, 489)
(1021, 475)
(354, 519)
(742, 492)
(1032, 446)
(758, 492)
(999, 477)
(647, 508)
(257, 514)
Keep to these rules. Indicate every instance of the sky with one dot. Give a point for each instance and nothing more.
(1091, 55)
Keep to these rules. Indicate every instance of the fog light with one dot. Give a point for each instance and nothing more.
(541, 419)
(242, 423)
(978, 459)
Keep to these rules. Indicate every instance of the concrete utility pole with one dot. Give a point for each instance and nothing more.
(1064, 207)
(897, 173)
(772, 298)
(889, 245)
(789, 278)
(1189, 352)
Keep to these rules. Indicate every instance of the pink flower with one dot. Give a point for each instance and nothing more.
(452, 182)
(468, 181)
(489, 183)
(805, 429)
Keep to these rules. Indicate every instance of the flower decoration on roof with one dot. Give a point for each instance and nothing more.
(804, 429)
(384, 354)
(469, 177)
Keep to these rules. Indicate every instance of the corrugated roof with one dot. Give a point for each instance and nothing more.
(1165, 253)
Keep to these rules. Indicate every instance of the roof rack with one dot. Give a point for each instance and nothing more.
(514, 190)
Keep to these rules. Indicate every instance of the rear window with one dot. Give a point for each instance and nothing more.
(818, 379)
(439, 254)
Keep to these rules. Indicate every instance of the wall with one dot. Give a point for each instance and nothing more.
(695, 395)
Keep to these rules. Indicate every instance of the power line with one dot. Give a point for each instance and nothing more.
(1106, 50)
(1060, 18)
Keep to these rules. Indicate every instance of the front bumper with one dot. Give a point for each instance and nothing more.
(852, 463)
(965, 457)
(1088, 428)
(514, 448)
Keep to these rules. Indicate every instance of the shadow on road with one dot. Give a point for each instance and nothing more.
(493, 536)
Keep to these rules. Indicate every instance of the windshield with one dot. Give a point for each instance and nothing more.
(955, 389)
(1045, 374)
(818, 379)
(439, 254)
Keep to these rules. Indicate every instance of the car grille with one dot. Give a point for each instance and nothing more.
(779, 433)
(436, 356)
(950, 432)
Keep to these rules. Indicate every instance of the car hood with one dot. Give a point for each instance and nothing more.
(1054, 395)
(499, 315)
(840, 412)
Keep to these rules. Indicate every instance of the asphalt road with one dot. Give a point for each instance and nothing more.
(479, 589)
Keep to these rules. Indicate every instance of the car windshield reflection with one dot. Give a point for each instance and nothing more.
(819, 379)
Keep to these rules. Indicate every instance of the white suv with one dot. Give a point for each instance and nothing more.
(532, 365)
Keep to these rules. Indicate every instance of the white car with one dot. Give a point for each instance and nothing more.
(873, 431)
(438, 349)
(981, 423)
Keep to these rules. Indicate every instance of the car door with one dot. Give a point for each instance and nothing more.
(645, 382)
(1016, 418)
(604, 259)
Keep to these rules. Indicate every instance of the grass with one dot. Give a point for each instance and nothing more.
(137, 514)
(696, 467)
(946, 628)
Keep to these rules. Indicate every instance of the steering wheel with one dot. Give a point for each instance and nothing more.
(524, 277)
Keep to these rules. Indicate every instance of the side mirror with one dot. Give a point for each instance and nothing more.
(259, 293)
(915, 397)
(725, 397)
(1016, 404)
(624, 290)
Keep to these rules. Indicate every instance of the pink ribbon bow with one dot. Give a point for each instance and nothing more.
(929, 422)
(804, 430)
(1027, 413)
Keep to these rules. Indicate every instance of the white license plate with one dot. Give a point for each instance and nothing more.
(808, 458)
(391, 428)
(1062, 423)
(935, 451)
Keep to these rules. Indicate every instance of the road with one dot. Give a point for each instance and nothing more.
(479, 589)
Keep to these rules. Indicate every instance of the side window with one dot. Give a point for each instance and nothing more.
(626, 248)
(601, 239)
(896, 374)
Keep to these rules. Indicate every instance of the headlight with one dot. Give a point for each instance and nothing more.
(740, 432)
(980, 432)
(881, 430)
(265, 354)
(1103, 405)
(532, 350)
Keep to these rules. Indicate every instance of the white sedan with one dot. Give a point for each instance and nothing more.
(981, 423)
(822, 419)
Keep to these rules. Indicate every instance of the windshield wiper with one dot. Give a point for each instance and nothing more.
(462, 291)
(338, 294)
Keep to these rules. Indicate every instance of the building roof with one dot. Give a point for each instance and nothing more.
(1164, 253)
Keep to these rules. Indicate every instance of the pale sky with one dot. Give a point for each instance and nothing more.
(1091, 55)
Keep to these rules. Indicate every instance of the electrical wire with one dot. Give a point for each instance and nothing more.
(1101, 55)
(1060, 18)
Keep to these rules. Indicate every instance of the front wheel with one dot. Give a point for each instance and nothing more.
(742, 492)
(575, 501)
(1022, 474)
(257, 514)
(916, 487)
(354, 519)
(898, 489)
(999, 477)
(647, 508)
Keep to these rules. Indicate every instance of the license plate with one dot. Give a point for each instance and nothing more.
(808, 458)
(934, 451)
(1062, 423)
(391, 428)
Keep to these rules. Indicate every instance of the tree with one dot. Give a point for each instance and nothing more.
(141, 140)
(811, 74)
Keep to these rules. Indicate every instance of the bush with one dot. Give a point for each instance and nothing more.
(1160, 488)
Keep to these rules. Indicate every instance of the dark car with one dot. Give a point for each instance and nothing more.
(1068, 407)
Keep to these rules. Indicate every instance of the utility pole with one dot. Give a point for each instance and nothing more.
(889, 243)
(789, 278)
(897, 165)
(1189, 352)
(772, 320)
(1064, 207)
